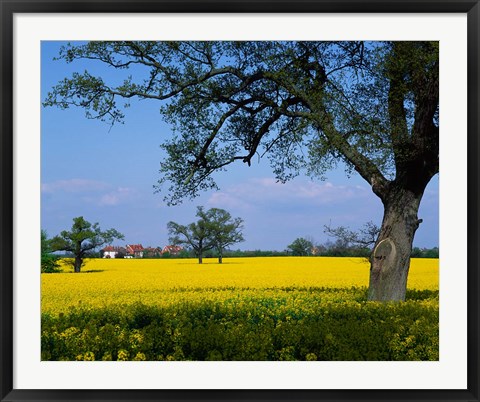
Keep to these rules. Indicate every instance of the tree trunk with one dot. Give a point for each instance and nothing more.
(220, 258)
(390, 259)
(78, 264)
(200, 259)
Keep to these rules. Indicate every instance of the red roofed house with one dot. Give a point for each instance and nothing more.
(135, 250)
(172, 250)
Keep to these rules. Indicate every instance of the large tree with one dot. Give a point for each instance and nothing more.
(82, 240)
(371, 105)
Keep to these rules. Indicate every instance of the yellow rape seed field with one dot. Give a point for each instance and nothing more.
(271, 308)
(107, 282)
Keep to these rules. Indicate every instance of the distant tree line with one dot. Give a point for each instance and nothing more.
(425, 252)
(348, 243)
(328, 249)
(210, 237)
(339, 249)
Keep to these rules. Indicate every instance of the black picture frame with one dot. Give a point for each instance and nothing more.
(10, 7)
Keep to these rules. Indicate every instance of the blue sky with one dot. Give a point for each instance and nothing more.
(107, 175)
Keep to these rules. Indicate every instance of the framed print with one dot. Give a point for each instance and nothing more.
(239, 201)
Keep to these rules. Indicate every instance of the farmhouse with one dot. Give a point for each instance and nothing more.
(138, 251)
(135, 250)
(172, 250)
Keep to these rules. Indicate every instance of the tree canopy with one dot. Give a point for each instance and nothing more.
(230, 101)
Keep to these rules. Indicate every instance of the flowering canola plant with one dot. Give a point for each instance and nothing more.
(264, 308)
(163, 282)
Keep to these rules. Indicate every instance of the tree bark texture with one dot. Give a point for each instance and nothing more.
(78, 264)
(390, 259)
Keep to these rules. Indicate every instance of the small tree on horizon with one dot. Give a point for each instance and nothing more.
(300, 247)
(195, 235)
(215, 230)
(82, 240)
(224, 230)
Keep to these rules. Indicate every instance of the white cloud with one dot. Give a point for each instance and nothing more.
(228, 200)
(91, 191)
(74, 186)
(260, 191)
(118, 196)
(274, 213)
(109, 199)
